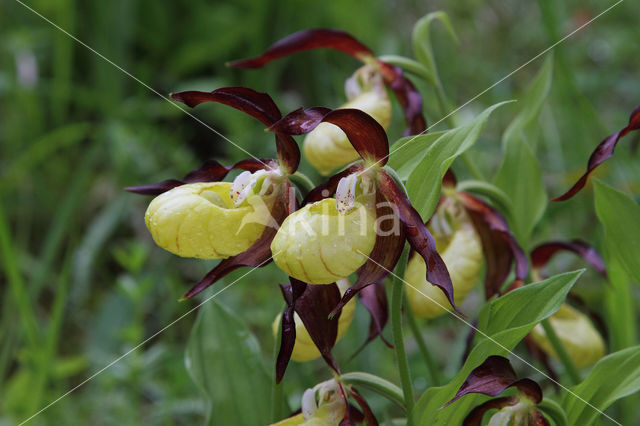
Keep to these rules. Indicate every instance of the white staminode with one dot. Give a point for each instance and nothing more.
(346, 191)
(244, 184)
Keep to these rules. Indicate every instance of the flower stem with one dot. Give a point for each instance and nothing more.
(432, 367)
(398, 339)
(560, 350)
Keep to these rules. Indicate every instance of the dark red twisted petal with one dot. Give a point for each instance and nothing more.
(418, 235)
(602, 152)
(369, 417)
(499, 245)
(290, 293)
(374, 298)
(328, 188)
(256, 104)
(384, 256)
(495, 375)
(366, 135)
(541, 255)
(408, 96)
(313, 38)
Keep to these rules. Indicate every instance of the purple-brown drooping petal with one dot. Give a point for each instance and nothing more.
(291, 293)
(210, 171)
(602, 152)
(541, 255)
(374, 298)
(313, 38)
(499, 245)
(408, 97)
(256, 104)
(418, 235)
(313, 308)
(369, 417)
(495, 375)
(386, 251)
(365, 134)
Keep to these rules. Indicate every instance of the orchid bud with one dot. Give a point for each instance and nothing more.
(327, 146)
(460, 247)
(322, 405)
(522, 412)
(319, 244)
(304, 348)
(202, 220)
(581, 340)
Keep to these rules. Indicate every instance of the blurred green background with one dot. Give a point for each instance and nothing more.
(82, 282)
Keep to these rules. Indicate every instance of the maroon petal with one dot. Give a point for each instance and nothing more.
(258, 255)
(474, 418)
(366, 135)
(418, 235)
(210, 171)
(374, 298)
(495, 375)
(313, 308)
(544, 252)
(306, 40)
(290, 293)
(256, 104)
(384, 256)
(328, 188)
(499, 245)
(369, 417)
(408, 96)
(602, 152)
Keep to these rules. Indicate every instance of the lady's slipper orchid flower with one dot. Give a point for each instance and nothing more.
(373, 179)
(574, 329)
(461, 249)
(304, 348)
(327, 404)
(202, 217)
(581, 340)
(493, 377)
(602, 152)
(327, 147)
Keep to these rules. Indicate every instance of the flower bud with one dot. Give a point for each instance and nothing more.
(581, 340)
(327, 146)
(319, 245)
(322, 405)
(460, 247)
(304, 348)
(201, 220)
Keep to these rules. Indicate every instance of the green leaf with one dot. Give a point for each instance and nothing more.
(519, 175)
(406, 153)
(613, 377)
(496, 195)
(409, 65)
(224, 360)
(376, 384)
(502, 324)
(554, 411)
(425, 180)
(620, 216)
(422, 39)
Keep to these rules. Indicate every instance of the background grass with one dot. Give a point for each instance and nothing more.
(82, 281)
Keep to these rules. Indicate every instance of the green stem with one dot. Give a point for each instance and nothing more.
(397, 294)
(432, 365)
(560, 350)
